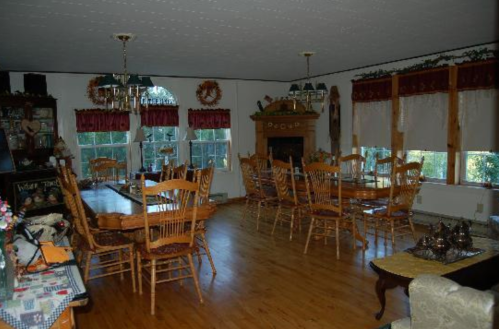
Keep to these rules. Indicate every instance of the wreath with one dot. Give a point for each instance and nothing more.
(209, 93)
(95, 94)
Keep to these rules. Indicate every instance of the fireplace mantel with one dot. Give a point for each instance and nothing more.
(270, 126)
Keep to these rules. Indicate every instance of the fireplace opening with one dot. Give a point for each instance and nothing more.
(284, 147)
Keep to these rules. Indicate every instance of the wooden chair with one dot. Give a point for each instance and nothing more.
(103, 169)
(166, 171)
(255, 191)
(166, 251)
(289, 207)
(322, 182)
(263, 161)
(352, 165)
(383, 167)
(120, 168)
(108, 247)
(396, 217)
(180, 172)
(205, 178)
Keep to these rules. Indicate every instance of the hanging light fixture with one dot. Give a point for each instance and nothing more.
(123, 91)
(308, 93)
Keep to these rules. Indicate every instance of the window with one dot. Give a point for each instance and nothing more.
(481, 167)
(370, 154)
(435, 163)
(111, 144)
(211, 145)
(159, 138)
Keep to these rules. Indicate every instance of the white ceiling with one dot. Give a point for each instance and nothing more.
(239, 39)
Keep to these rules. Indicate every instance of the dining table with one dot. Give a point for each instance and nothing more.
(366, 187)
(115, 208)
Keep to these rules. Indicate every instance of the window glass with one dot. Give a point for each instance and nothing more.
(481, 167)
(212, 145)
(113, 144)
(161, 140)
(435, 163)
(370, 154)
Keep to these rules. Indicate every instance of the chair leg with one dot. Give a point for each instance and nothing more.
(354, 229)
(258, 215)
(278, 213)
(153, 285)
(179, 261)
(132, 267)
(245, 211)
(291, 225)
(412, 229)
(195, 277)
(120, 258)
(312, 222)
(208, 253)
(392, 228)
(139, 272)
(88, 262)
(338, 239)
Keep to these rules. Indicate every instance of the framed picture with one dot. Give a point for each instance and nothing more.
(37, 194)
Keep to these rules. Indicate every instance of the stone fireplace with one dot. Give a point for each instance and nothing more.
(286, 134)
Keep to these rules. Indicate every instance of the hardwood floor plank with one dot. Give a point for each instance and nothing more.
(263, 281)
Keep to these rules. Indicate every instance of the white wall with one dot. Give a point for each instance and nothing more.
(241, 97)
(238, 96)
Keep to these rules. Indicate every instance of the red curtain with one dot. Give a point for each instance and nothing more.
(97, 120)
(209, 118)
(159, 115)
(372, 91)
(484, 75)
(425, 82)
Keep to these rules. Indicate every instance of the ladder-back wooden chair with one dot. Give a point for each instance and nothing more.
(164, 253)
(264, 162)
(395, 219)
(109, 247)
(103, 169)
(383, 167)
(255, 191)
(289, 209)
(205, 178)
(352, 165)
(323, 184)
(180, 172)
(166, 171)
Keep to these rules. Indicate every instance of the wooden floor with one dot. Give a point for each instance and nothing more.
(262, 282)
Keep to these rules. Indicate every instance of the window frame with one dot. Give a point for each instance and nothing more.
(227, 141)
(94, 147)
(463, 171)
(176, 142)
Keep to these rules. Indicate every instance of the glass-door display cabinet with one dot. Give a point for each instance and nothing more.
(30, 126)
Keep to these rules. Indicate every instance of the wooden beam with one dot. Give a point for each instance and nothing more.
(397, 136)
(453, 130)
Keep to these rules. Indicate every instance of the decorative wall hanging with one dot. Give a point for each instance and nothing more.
(209, 93)
(95, 94)
(31, 127)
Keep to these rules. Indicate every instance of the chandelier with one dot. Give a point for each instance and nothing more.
(307, 93)
(123, 91)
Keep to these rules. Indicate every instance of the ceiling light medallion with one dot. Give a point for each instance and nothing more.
(123, 91)
(307, 93)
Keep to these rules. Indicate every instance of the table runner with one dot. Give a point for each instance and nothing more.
(40, 298)
(409, 266)
(135, 197)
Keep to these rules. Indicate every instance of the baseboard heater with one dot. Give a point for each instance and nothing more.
(219, 197)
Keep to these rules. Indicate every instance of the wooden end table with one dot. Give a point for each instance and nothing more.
(479, 272)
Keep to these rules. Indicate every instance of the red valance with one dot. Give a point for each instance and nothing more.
(209, 118)
(98, 120)
(371, 91)
(426, 82)
(483, 75)
(159, 115)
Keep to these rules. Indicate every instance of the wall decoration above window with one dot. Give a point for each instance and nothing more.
(209, 93)
(95, 94)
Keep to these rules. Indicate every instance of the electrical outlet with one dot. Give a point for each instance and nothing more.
(419, 199)
(479, 208)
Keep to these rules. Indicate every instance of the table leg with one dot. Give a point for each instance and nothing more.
(381, 286)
